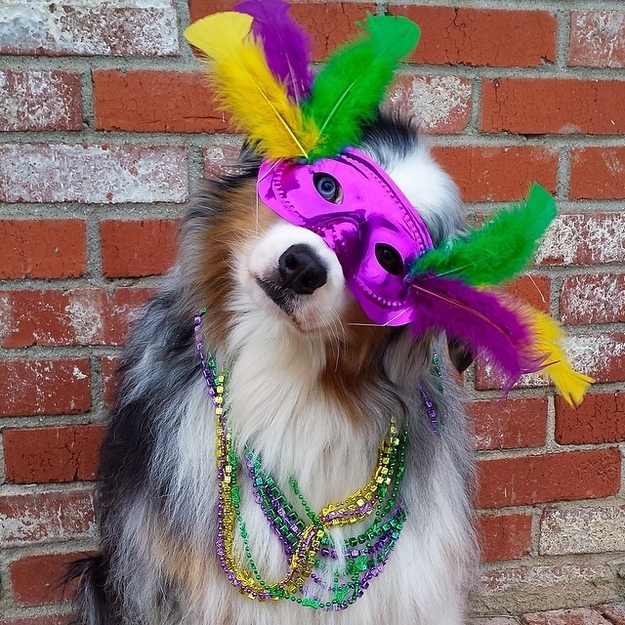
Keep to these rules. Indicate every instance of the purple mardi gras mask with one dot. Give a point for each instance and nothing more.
(354, 206)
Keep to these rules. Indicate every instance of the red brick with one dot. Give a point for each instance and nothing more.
(584, 239)
(38, 580)
(65, 28)
(137, 248)
(327, 24)
(578, 616)
(73, 317)
(144, 101)
(439, 104)
(202, 8)
(109, 366)
(32, 387)
(542, 106)
(506, 537)
(593, 298)
(495, 173)
(598, 173)
(597, 38)
(509, 423)
(552, 477)
(43, 248)
(614, 612)
(221, 160)
(600, 356)
(68, 173)
(47, 517)
(466, 36)
(123, 307)
(533, 289)
(56, 454)
(599, 419)
(40, 100)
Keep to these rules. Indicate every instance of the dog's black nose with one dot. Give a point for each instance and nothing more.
(301, 270)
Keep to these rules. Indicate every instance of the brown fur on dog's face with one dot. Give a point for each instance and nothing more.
(240, 249)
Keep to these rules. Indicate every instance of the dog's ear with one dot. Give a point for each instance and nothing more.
(460, 354)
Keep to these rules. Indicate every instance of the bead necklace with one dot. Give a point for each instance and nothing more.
(307, 544)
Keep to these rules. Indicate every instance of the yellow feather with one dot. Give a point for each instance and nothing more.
(547, 338)
(247, 88)
(219, 34)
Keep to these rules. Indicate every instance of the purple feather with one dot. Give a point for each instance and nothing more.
(478, 317)
(285, 43)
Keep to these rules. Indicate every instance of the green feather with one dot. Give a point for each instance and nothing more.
(500, 249)
(348, 90)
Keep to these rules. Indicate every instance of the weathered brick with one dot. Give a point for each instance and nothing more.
(496, 173)
(37, 580)
(582, 530)
(599, 419)
(221, 160)
(598, 173)
(495, 620)
(579, 616)
(55, 454)
(67, 173)
(114, 27)
(597, 38)
(543, 106)
(510, 422)
(505, 537)
(137, 248)
(328, 24)
(593, 298)
(40, 100)
(522, 589)
(43, 248)
(468, 36)
(615, 612)
(144, 101)
(72, 317)
(551, 477)
(584, 239)
(439, 104)
(109, 366)
(48, 387)
(601, 356)
(47, 517)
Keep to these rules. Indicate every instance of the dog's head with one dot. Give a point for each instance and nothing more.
(258, 267)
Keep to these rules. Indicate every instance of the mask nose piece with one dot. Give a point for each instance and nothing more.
(301, 270)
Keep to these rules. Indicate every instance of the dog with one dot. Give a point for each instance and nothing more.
(312, 389)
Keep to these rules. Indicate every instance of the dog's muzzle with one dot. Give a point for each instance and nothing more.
(361, 214)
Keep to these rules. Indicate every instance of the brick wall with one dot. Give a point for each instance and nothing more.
(107, 127)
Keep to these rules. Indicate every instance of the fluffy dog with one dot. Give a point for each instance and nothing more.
(312, 388)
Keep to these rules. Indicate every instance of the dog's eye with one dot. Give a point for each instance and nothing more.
(390, 259)
(328, 187)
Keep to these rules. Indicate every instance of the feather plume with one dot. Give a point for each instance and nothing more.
(477, 317)
(246, 87)
(286, 44)
(500, 249)
(511, 335)
(348, 90)
(547, 336)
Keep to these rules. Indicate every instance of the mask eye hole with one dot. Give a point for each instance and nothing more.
(390, 259)
(328, 187)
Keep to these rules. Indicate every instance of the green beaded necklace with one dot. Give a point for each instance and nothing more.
(308, 546)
